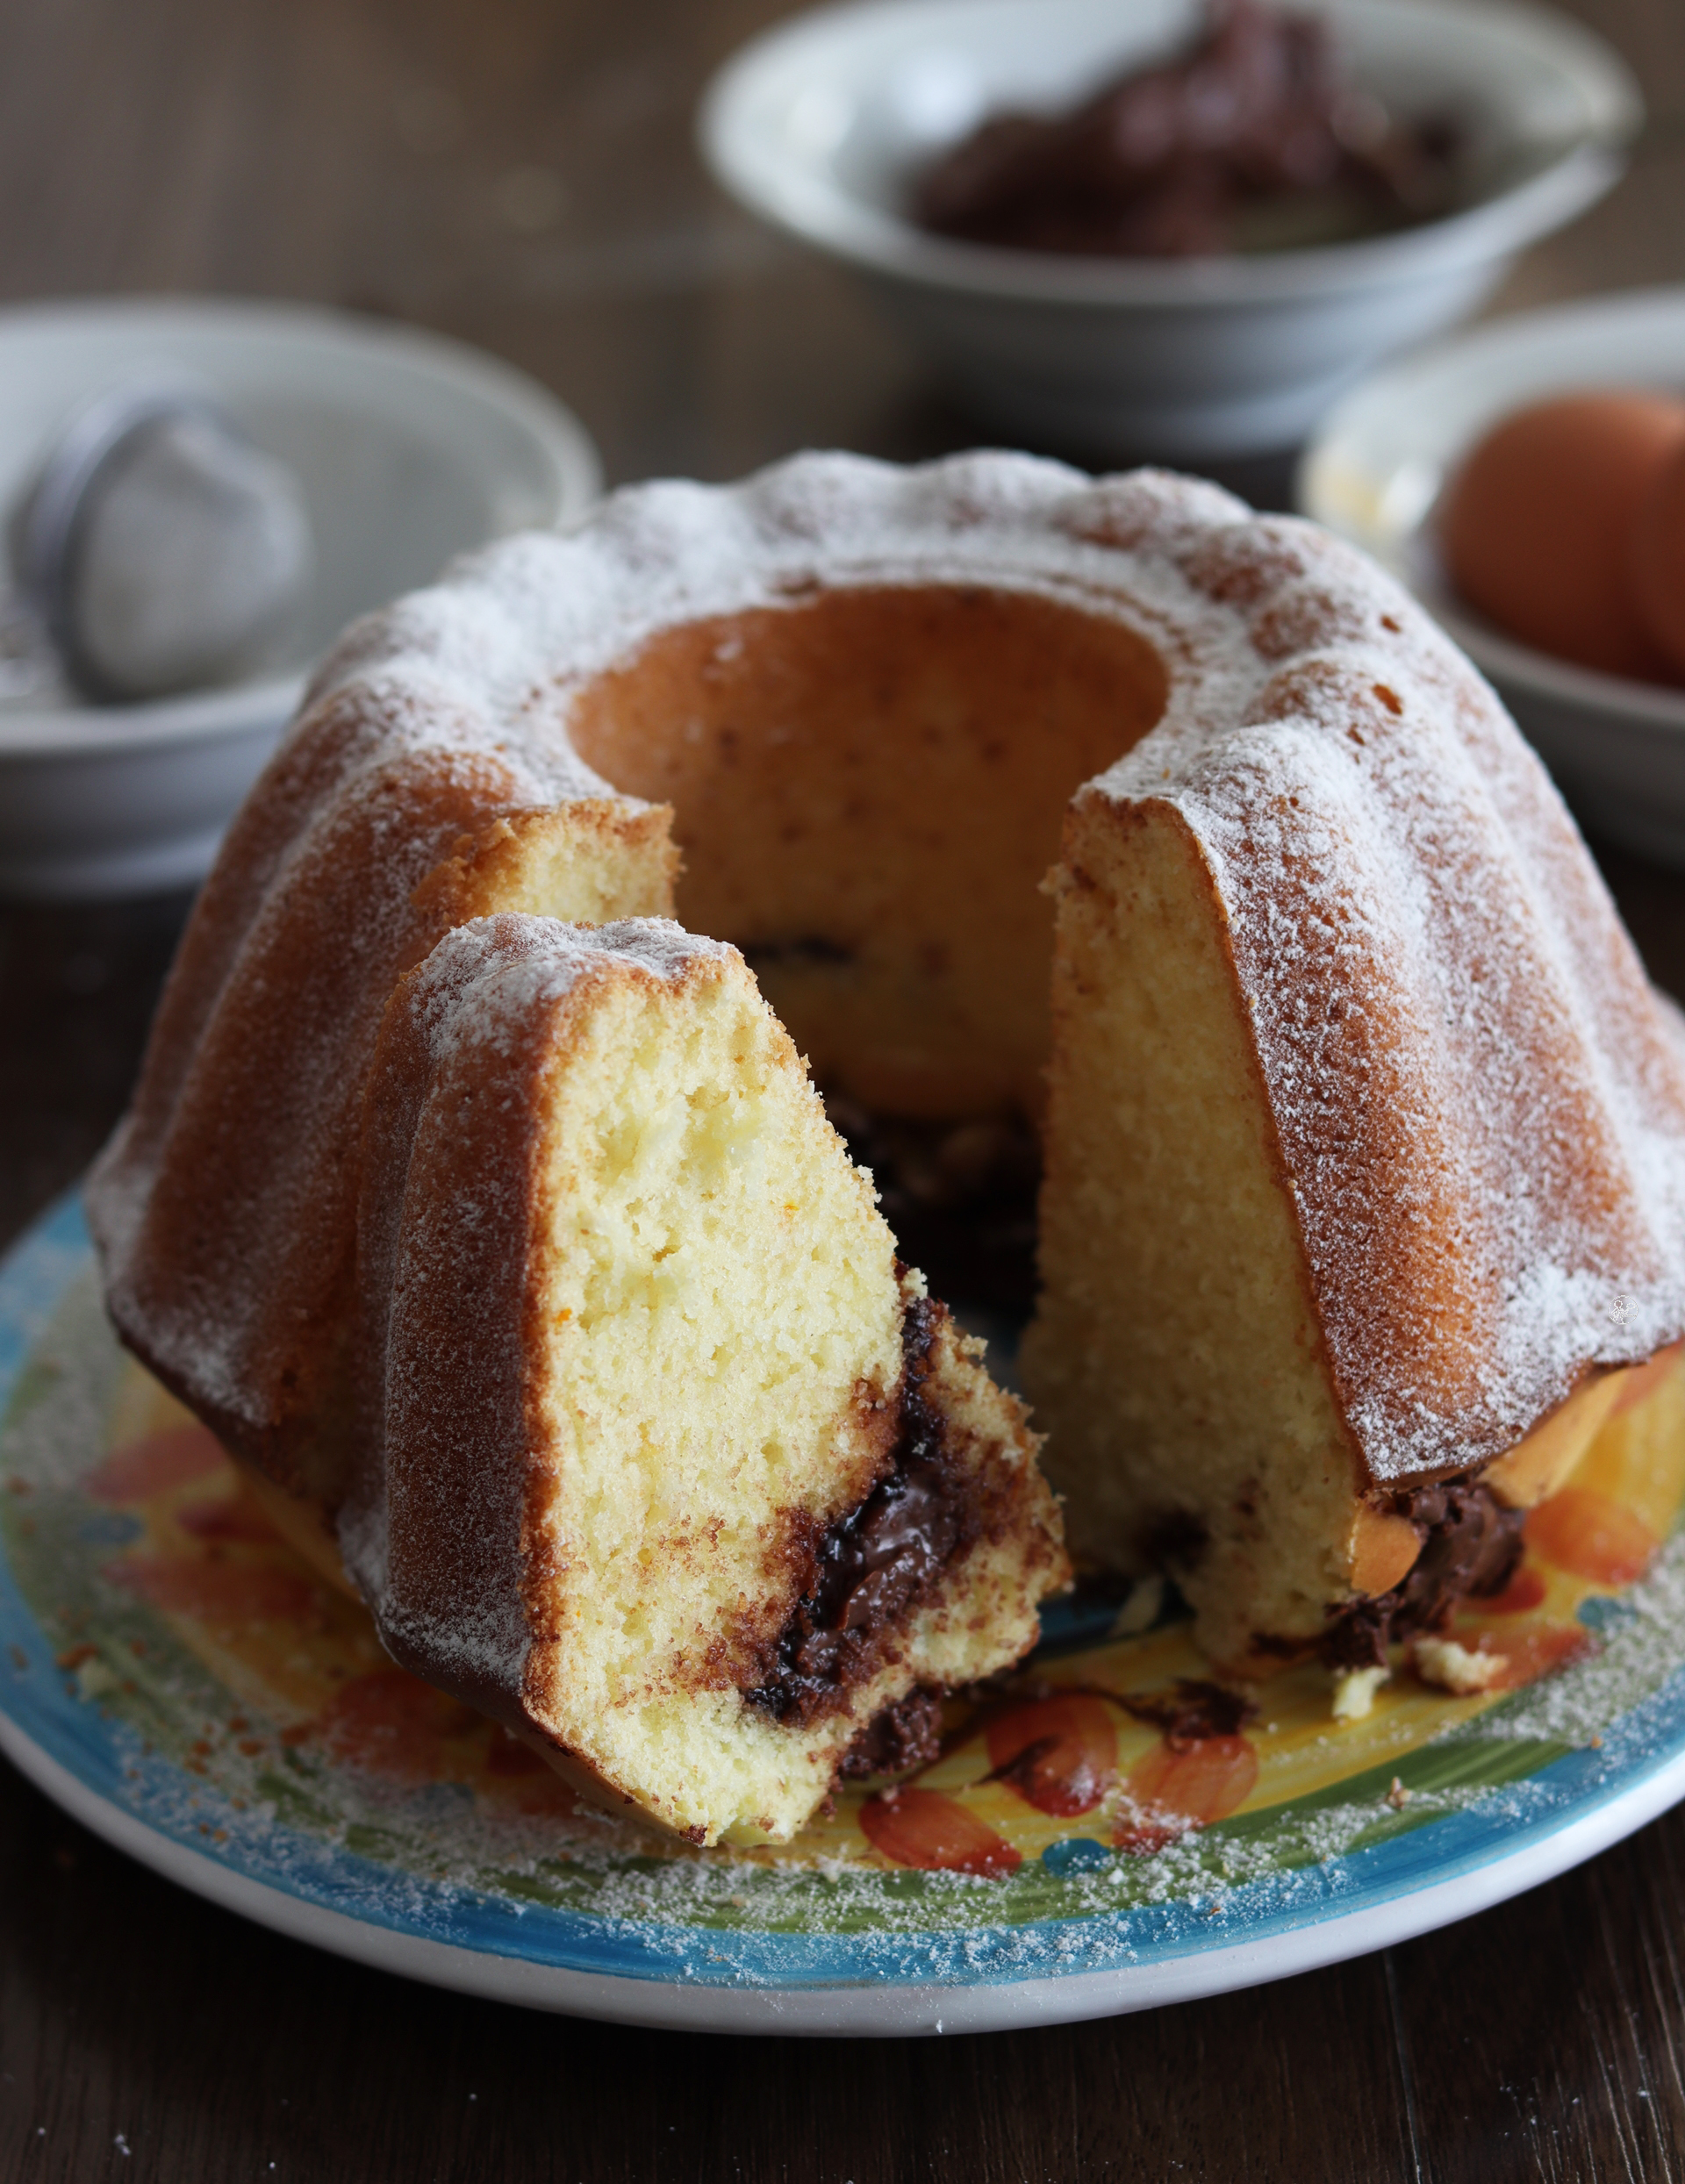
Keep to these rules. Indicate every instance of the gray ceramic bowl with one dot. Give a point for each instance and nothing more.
(410, 450)
(817, 125)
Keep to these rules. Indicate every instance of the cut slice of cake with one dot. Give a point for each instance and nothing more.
(668, 1464)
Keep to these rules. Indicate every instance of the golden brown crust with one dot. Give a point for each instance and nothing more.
(442, 1318)
(255, 1099)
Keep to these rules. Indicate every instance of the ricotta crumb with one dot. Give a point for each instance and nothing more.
(1451, 1666)
(1142, 1609)
(1354, 1692)
(95, 1678)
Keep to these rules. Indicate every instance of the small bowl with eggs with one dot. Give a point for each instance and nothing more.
(1226, 211)
(1527, 481)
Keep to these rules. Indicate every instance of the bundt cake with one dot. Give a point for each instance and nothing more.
(663, 1460)
(1365, 1133)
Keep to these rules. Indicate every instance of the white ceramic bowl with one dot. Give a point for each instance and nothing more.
(817, 126)
(1374, 473)
(409, 450)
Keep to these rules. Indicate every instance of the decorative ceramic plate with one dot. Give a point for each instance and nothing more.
(1109, 1833)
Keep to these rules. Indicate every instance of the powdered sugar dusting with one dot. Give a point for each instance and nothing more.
(1481, 1107)
(482, 984)
(535, 616)
(1482, 1114)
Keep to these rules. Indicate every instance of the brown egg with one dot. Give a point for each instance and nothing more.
(1658, 549)
(1537, 525)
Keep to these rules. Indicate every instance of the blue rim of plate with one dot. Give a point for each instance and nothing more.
(658, 1973)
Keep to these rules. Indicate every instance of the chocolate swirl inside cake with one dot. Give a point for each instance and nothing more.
(878, 1562)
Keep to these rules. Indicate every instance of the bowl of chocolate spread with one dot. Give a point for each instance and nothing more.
(1171, 228)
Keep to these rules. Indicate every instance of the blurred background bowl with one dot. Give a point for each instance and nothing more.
(409, 450)
(819, 125)
(1375, 472)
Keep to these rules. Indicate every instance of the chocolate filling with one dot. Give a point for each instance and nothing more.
(1254, 138)
(1191, 1711)
(881, 1559)
(905, 1735)
(1470, 1546)
(1176, 1541)
(804, 951)
(960, 1196)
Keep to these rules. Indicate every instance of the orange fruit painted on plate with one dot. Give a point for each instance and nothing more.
(1060, 1755)
(519, 1780)
(1187, 1789)
(1142, 1838)
(162, 1460)
(1525, 1590)
(395, 1725)
(221, 1594)
(1534, 1652)
(937, 1834)
(506, 1756)
(228, 1517)
(1592, 1536)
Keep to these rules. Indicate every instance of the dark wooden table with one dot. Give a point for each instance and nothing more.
(518, 172)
